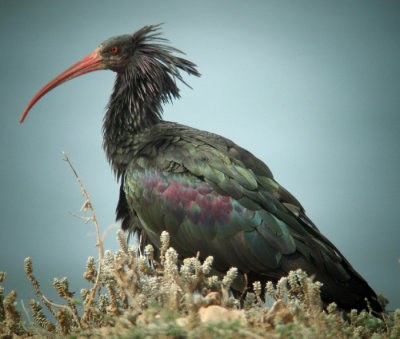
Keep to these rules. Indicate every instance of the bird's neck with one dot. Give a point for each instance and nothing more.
(129, 114)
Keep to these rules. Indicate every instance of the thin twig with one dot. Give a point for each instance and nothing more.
(88, 205)
(86, 219)
(107, 230)
(68, 308)
(27, 315)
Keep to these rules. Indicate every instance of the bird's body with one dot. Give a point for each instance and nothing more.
(211, 195)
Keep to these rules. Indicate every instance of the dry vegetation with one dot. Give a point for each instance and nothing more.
(136, 295)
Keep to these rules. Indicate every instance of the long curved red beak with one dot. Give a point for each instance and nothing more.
(92, 62)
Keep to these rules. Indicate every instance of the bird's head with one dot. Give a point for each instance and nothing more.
(143, 55)
(116, 53)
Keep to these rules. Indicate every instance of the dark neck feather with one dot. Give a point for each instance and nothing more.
(138, 95)
(128, 114)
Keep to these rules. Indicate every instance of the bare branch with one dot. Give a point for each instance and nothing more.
(88, 205)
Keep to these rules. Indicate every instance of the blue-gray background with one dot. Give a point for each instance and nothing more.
(310, 87)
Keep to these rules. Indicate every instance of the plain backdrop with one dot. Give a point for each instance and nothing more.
(310, 87)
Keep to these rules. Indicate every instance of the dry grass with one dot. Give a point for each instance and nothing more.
(139, 296)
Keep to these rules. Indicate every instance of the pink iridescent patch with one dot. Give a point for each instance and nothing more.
(198, 201)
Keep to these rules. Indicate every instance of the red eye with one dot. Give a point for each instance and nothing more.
(114, 50)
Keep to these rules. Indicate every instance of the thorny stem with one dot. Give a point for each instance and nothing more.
(88, 205)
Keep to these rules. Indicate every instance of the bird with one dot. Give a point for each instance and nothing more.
(213, 197)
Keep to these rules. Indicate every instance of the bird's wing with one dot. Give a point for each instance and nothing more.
(215, 198)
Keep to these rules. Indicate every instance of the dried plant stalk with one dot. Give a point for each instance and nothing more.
(88, 205)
